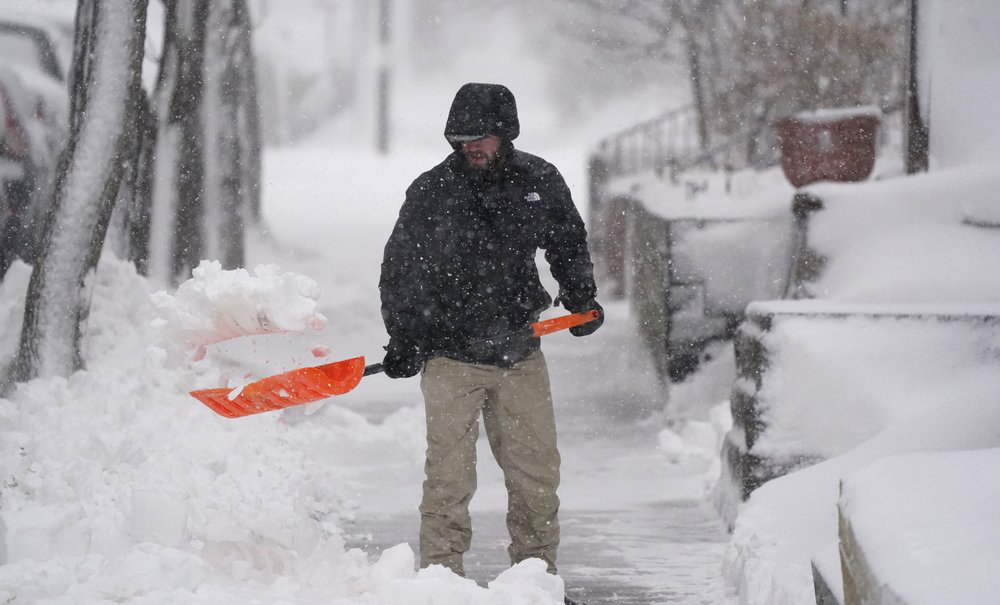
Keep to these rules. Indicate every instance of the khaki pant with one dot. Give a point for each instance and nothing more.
(516, 404)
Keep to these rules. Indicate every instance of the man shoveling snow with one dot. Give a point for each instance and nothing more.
(459, 285)
(459, 267)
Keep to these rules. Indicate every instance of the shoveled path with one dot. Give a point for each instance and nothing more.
(635, 528)
(643, 556)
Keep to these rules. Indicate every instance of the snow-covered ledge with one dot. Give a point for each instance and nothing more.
(817, 378)
(921, 529)
(923, 238)
(792, 520)
(852, 384)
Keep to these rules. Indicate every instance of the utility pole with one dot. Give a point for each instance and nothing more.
(383, 77)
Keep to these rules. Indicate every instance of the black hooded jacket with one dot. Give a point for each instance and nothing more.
(460, 263)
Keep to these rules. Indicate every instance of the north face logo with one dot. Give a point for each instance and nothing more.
(533, 197)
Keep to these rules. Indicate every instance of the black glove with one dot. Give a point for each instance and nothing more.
(591, 326)
(401, 360)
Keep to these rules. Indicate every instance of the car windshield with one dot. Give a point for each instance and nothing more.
(21, 49)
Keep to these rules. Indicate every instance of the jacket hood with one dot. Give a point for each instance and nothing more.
(481, 110)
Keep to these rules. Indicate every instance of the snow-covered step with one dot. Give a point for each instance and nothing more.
(920, 238)
(816, 379)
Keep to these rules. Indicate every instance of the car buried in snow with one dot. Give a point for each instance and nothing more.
(34, 49)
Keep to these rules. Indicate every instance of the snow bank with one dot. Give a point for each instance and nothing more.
(692, 439)
(835, 382)
(928, 525)
(698, 417)
(393, 581)
(117, 486)
(858, 389)
(788, 520)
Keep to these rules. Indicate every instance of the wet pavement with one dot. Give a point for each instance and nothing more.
(643, 556)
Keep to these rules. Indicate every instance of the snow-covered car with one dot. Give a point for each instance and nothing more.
(33, 124)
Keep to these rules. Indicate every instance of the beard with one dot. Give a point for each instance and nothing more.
(479, 160)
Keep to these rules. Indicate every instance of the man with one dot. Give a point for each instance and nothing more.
(459, 268)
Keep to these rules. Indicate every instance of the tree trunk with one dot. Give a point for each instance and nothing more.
(232, 148)
(249, 116)
(190, 18)
(207, 184)
(175, 231)
(138, 221)
(165, 149)
(692, 48)
(105, 89)
(128, 233)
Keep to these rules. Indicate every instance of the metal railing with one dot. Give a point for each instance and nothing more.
(656, 144)
(669, 144)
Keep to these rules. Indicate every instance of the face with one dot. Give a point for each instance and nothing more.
(484, 153)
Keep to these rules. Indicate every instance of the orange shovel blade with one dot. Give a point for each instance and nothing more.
(295, 387)
(306, 385)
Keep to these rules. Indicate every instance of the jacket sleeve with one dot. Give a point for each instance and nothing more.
(565, 242)
(399, 280)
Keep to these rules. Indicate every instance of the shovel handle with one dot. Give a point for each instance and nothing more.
(541, 328)
(538, 329)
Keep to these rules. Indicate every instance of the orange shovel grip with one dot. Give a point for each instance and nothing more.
(541, 328)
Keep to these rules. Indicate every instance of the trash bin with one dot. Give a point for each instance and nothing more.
(828, 145)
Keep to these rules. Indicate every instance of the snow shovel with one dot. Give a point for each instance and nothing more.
(305, 385)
